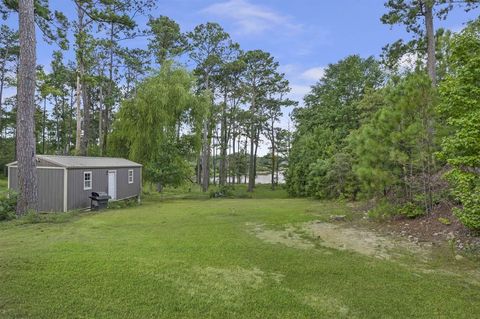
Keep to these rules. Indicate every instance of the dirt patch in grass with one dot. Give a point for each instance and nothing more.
(362, 241)
(226, 284)
(341, 237)
(328, 306)
(288, 236)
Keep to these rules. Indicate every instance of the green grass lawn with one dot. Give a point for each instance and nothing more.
(197, 258)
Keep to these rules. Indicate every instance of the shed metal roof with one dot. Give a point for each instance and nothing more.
(85, 161)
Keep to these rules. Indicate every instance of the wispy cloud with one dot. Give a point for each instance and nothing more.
(313, 74)
(251, 18)
(298, 91)
(301, 79)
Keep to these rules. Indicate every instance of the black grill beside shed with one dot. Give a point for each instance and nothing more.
(66, 182)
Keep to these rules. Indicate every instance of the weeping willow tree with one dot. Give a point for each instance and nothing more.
(160, 126)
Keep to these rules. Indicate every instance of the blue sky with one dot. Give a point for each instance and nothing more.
(303, 35)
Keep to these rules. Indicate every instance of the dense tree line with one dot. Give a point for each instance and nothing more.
(206, 128)
(407, 135)
(370, 128)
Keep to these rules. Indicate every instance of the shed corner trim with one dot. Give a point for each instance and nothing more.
(65, 190)
(8, 178)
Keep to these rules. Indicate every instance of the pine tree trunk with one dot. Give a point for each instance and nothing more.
(273, 158)
(431, 59)
(206, 150)
(234, 159)
(70, 125)
(100, 121)
(27, 171)
(214, 162)
(257, 139)
(223, 144)
(86, 118)
(79, 145)
(78, 139)
(199, 169)
(246, 161)
(2, 83)
(430, 125)
(205, 158)
(251, 166)
(44, 122)
(110, 92)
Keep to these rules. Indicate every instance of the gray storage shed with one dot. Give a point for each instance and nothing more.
(66, 182)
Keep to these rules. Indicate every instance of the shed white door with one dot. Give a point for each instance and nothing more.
(112, 184)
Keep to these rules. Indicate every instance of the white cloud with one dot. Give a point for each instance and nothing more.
(313, 74)
(251, 18)
(408, 62)
(298, 91)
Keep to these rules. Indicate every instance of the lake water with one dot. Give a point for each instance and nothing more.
(265, 178)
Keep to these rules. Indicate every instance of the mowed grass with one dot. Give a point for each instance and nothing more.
(197, 258)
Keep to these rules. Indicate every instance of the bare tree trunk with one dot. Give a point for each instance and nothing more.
(78, 139)
(251, 165)
(44, 122)
(430, 125)
(257, 138)
(214, 161)
(205, 157)
(62, 140)
(246, 162)
(86, 118)
(431, 59)
(27, 171)
(223, 143)
(234, 159)
(253, 133)
(100, 121)
(79, 145)
(2, 83)
(70, 124)
(239, 176)
(206, 150)
(199, 169)
(110, 93)
(273, 158)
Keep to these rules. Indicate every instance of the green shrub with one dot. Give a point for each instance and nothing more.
(8, 203)
(411, 210)
(460, 109)
(222, 192)
(383, 210)
(130, 202)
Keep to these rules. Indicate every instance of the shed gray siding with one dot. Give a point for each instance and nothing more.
(50, 188)
(77, 197)
(124, 189)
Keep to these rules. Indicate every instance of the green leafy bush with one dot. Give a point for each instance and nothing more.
(221, 192)
(8, 203)
(460, 107)
(383, 210)
(411, 210)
